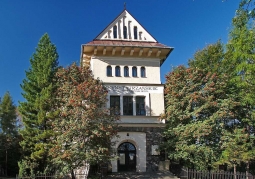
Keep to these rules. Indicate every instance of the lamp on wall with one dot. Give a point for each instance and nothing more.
(127, 134)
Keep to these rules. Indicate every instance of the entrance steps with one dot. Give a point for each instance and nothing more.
(142, 175)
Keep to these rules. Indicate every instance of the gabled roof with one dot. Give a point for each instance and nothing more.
(127, 21)
(114, 41)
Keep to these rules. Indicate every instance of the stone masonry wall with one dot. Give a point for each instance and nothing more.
(153, 137)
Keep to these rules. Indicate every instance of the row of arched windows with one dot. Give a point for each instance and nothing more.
(124, 32)
(126, 71)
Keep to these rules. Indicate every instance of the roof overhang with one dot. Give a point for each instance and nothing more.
(126, 49)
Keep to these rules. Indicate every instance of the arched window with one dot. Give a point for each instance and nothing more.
(125, 32)
(117, 71)
(135, 32)
(126, 71)
(134, 71)
(143, 72)
(109, 70)
(115, 32)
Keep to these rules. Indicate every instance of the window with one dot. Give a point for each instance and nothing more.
(140, 106)
(109, 71)
(126, 71)
(115, 32)
(143, 72)
(117, 71)
(135, 32)
(127, 105)
(125, 32)
(115, 105)
(134, 72)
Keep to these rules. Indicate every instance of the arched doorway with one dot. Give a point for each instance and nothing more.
(127, 157)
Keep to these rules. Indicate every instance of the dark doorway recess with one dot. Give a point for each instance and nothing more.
(127, 157)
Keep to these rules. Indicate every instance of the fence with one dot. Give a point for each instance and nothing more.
(82, 173)
(193, 174)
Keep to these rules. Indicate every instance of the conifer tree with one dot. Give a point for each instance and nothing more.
(240, 64)
(9, 151)
(38, 92)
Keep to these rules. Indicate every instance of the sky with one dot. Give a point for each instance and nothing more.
(186, 25)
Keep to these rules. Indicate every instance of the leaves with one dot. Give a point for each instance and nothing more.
(83, 128)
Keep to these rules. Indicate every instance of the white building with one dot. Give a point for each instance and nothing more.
(127, 59)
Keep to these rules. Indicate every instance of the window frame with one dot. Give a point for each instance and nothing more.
(115, 108)
(117, 71)
(128, 108)
(109, 70)
(140, 106)
(143, 72)
(115, 29)
(126, 71)
(125, 32)
(135, 33)
(134, 73)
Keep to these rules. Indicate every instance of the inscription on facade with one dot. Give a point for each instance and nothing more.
(131, 88)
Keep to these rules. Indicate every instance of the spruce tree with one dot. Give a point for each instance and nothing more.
(38, 92)
(8, 136)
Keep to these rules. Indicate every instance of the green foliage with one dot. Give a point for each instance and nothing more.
(38, 91)
(209, 59)
(197, 109)
(9, 139)
(240, 64)
(84, 127)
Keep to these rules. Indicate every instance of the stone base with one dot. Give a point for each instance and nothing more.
(164, 165)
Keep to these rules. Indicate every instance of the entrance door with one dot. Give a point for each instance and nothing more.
(127, 157)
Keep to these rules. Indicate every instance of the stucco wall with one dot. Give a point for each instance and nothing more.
(157, 104)
(152, 66)
(154, 97)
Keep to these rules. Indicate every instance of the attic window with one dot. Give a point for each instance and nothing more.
(115, 32)
(135, 32)
(125, 32)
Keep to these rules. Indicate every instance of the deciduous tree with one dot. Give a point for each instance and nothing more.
(84, 127)
(197, 108)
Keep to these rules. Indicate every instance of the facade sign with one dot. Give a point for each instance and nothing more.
(133, 89)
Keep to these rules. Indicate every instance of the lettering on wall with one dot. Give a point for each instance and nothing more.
(132, 89)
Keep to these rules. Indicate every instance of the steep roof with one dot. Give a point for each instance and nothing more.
(125, 36)
(134, 30)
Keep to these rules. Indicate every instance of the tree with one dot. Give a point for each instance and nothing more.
(8, 136)
(38, 91)
(84, 127)
(209, 59)
(240, 64)
(197, 109)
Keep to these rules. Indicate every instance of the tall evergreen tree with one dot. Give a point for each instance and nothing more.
(38, 92)
(240, 64)
(8, 136)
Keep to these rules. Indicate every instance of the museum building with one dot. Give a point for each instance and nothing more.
(127, 58)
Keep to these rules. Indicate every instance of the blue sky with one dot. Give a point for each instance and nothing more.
(186, 25)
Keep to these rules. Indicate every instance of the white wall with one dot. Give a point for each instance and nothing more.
(139, 141)
(154, 97)
(152, 66)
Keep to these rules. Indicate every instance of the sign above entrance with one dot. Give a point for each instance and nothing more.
(133, 89)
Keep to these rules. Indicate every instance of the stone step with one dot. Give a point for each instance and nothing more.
(142, 175)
